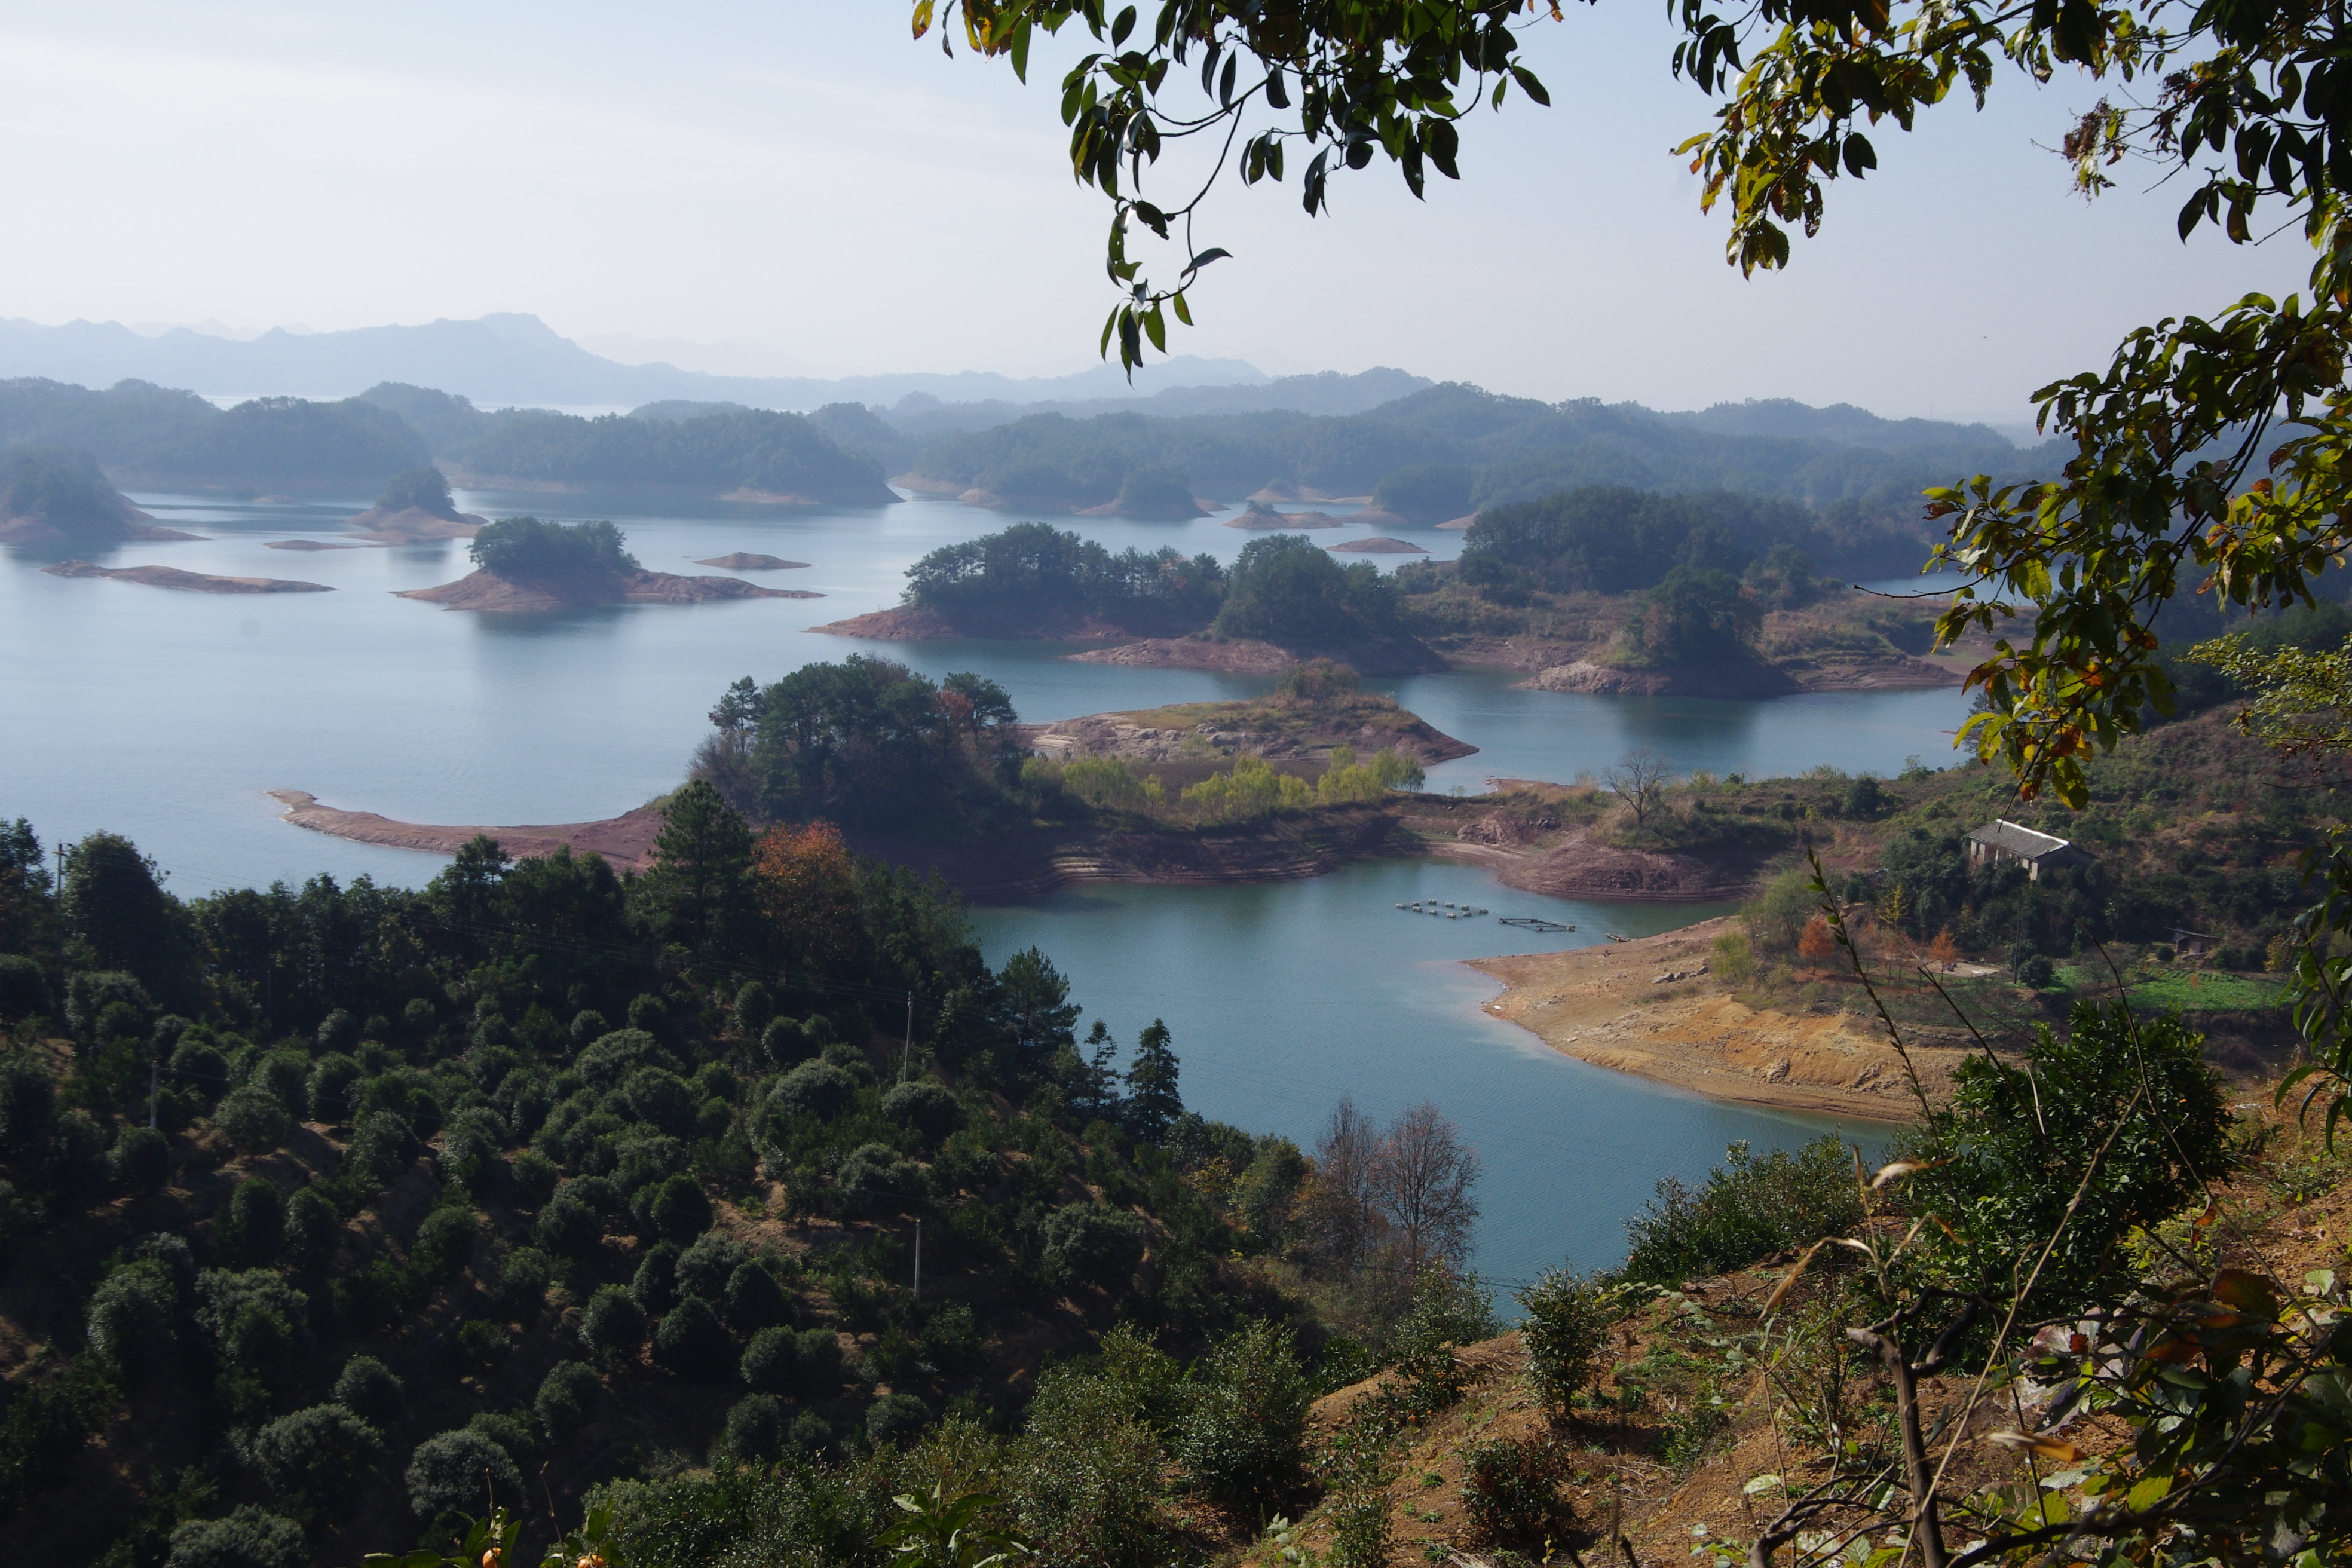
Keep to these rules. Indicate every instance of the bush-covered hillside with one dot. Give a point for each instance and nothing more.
(548, 1177)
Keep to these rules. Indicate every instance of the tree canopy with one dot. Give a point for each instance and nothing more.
(1033, 576)
(523, 549)
(61, 486)
(423, 489)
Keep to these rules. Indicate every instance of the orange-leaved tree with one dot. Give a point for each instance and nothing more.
(806, 885)
(1817, 946)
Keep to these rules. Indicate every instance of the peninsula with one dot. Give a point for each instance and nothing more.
(58, 495)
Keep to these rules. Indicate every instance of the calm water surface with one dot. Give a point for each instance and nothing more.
(165, 715)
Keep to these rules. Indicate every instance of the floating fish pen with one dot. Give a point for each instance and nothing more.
(1531, 922)
(1445, 908)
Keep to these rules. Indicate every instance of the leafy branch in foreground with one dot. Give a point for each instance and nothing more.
(1349, 79)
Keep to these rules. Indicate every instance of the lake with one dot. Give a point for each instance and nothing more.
(164, 716)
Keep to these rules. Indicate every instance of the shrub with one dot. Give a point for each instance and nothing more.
(771, 1362)
(926, 1110)
(810, 1434)
(613, 1056)
(680, 1210)
(569, 1397)
(704, 1268)
(285, 1076)
(523, 1279)
(755, 1429)
(1564, 1332)
(446, 1474)
(895, 1418)
(1748, 1209)
(28, 1100)
(660, 1097)
(817, 1356)
(445, 1242)
(692, 1342)
(2037, 970)
(483, 1342)
(311, 1226)
(649, 1013)
(1510, 1493)
(613, 1325)
(512, 1430)
(24, 989)
(249, 1538)
(1733, 959)
(252, 1120)
(875, 1180)
(818, 1089)
(1092, 1242)
(755, 1007)
(367, 1388)
(535, 1176)
(319, 1451)
(655, 1284)
(252, 1225)
(567, 1227)
(327, 1092)
(785, 1043)
(2008, 1153)
(131, 1318)
(338, 1031)
(754, 1300)
(141, 1160)
(1092, 1474)
(1243, 1432)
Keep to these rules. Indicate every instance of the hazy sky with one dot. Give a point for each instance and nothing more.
(804, 177)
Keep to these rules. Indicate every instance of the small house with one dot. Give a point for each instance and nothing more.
(1998, 841)
(2192, 943)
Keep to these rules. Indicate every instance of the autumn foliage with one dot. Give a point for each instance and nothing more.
(1817, 945)
(806, 886)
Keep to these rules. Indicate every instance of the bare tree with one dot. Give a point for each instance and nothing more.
(1342, 1218)
(1424, 1180)
(1639, 780)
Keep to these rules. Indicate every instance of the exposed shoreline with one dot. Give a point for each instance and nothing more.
(1647, 1007)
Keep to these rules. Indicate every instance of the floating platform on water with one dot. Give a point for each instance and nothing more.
(1445, 908)
(1531, 922)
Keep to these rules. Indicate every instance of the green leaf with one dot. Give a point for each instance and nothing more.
(2148, 1494)
(1528, 85)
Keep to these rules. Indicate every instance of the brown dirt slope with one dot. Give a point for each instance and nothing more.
(627, 840)
(1272, 729)
(1650, 1007)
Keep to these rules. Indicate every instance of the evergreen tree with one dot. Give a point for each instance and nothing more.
(1038, 1016)
(700, 887)
(1152, 1102)
(1094, 1086)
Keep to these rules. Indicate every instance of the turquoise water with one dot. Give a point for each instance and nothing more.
(165, 715)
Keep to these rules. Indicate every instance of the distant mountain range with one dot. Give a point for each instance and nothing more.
(516, 359)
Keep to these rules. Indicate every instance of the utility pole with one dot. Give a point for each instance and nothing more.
(918, 1260)
(152, 1064)
(907, 1055)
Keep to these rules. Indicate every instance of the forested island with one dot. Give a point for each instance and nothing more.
(524, 564)
(415, 507)
(1283, 602)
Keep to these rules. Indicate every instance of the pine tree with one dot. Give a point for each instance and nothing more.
(1152, 1102)
(1094, 1093)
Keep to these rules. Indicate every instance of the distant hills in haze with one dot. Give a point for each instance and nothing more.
(512, 358)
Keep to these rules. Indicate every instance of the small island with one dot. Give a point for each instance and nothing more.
(742, 561)
(1284, 602)
(191, 581)
(58, 495)
(415, 509)
(1380, 545)
(525, 565)
(1262, 517)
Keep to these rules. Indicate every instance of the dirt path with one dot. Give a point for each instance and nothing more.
(1646, 1007)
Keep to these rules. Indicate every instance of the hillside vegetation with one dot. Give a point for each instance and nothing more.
(146, 434)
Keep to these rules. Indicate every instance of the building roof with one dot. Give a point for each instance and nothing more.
(2026, 844)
